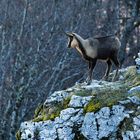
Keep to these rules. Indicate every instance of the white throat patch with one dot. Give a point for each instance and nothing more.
(91, 51)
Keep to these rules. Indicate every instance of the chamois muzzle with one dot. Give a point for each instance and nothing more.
(70, 39)
(69, 34)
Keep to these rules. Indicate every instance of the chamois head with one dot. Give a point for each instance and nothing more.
(72, 42)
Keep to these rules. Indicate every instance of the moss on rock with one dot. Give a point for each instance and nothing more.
(38, 110)
(18, 135)
(92, 107)
(43, 113)
(83, 92)
(112, 92)
(132, 78)
(106, 97)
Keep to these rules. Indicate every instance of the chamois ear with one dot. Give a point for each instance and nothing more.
(69, 34)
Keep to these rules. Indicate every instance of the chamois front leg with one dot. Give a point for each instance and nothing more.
(92, 64)
(109, 64)
(117, 64)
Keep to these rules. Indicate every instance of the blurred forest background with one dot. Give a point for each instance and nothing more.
(34, 58)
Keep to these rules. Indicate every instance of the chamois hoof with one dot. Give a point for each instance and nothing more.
(116, 78)
(105, 78)
(113, 79)
(88, 82)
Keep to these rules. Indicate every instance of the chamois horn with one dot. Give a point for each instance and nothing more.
(69, 34)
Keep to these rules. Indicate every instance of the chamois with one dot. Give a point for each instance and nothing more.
(93, 49)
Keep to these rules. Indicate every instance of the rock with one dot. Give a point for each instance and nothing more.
(128, 135)
(65, 133)
(133, 135)
(134, 100)
(89, 127)
(95, 84)
(27, 134)
(134, 90)
(78, 101)
(136, 122)
(108, 120)
(56, 97)
(98, 87)
(49, 132)
(137, 134)
(68, 113)
(27, 131)
(70, 118)
(124, 102)
(105, 127)
(103, 123)
(118, 110)
(104, 113)
(138, 64)
(139, 54)
(78, 118)
(121, 78)
(62, 127)
(45, 130)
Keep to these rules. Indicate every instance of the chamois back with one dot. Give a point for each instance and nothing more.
(105, 47)
(100, 48)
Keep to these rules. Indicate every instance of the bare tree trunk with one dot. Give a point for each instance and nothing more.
(131, 24)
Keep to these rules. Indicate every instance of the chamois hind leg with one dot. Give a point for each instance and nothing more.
(117, 64)
(109, 64)
(92, 64)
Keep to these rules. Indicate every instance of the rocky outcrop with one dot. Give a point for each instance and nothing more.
(74, 123)
(101, 110)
